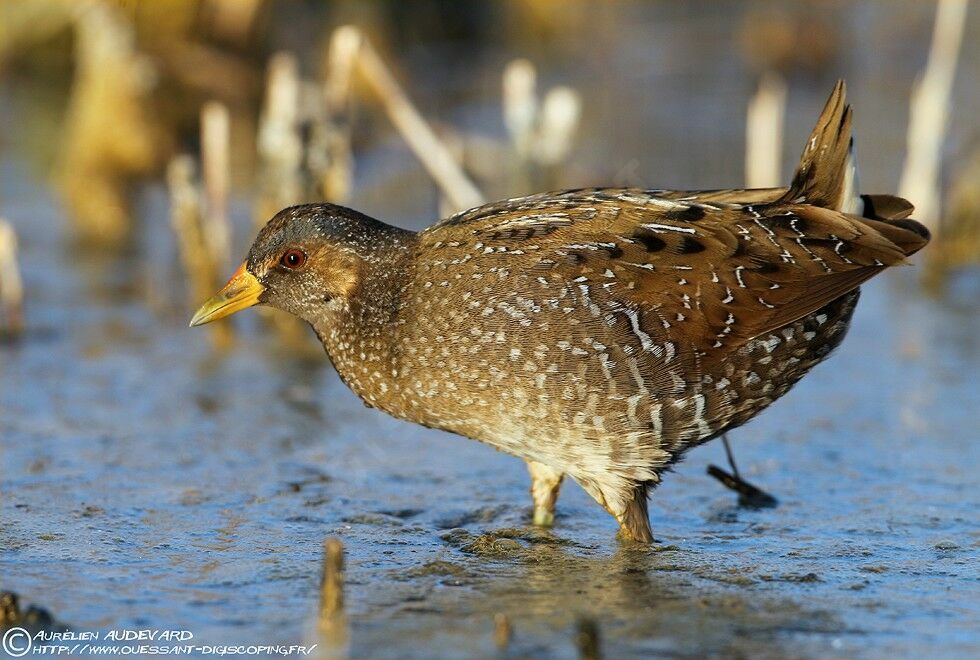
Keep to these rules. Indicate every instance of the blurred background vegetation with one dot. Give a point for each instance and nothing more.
(240, 107)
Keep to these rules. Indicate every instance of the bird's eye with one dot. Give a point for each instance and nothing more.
(293, 259)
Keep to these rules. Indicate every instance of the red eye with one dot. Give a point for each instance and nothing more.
(293, 259)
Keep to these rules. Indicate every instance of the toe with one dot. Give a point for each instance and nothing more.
(543, 517)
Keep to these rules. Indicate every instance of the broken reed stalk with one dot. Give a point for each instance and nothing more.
(216, 171)
(502, 631)
(332, 584)
(202, 267)
(9, 609)
(11, 286)
(281, 148)
(457, 147)
(232, 20)
(519, 97)
(557, 122)
(929, 112)
(764, 133)
(587, 639)
(541, 132)
(281, 179)
(111, 137)
(559, 119)
(279, 143)
(435, 156)
(332, 622)
(335, 174)
(520, 101)
(959, 240)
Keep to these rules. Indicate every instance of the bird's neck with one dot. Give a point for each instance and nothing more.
(359, 333)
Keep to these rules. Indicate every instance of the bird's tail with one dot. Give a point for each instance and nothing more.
(827, 177)
(827, 173)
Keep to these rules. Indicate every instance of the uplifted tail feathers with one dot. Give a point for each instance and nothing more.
(827, 177)
(827, 173)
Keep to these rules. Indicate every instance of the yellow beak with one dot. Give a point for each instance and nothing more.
(242, 291)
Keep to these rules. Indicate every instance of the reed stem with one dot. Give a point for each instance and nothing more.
(11, 285)
(929, 114)
(216, 170)
(434, 155)
(764, 133)
(199, 261)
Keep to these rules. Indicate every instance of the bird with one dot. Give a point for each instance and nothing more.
(598, 333)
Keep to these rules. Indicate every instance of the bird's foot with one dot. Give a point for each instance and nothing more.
(634, 521)
(545, 484)
(637, 537)
(544, 517)
(748, 495)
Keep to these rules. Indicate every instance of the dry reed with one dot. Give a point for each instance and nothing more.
(110, 136)
(929, 114)
(201, 265)
(11, 285)
(280, 145)
(435, 156)
(764, 133)
(332, 622)
(502, 631)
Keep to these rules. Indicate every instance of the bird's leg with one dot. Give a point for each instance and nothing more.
(748, 495)
(627, 503)
(545, 484)
(731, 456)
(634, 521)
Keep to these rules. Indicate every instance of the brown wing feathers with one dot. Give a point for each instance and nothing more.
(738, 273)
(712, 268)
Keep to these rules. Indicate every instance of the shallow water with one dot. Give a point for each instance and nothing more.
(150, 481)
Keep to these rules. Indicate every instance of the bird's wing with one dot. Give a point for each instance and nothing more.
(712, 274)
(740, 196)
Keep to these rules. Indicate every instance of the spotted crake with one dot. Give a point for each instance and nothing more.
(599, 332)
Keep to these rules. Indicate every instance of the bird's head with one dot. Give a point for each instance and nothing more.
(308, 260)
